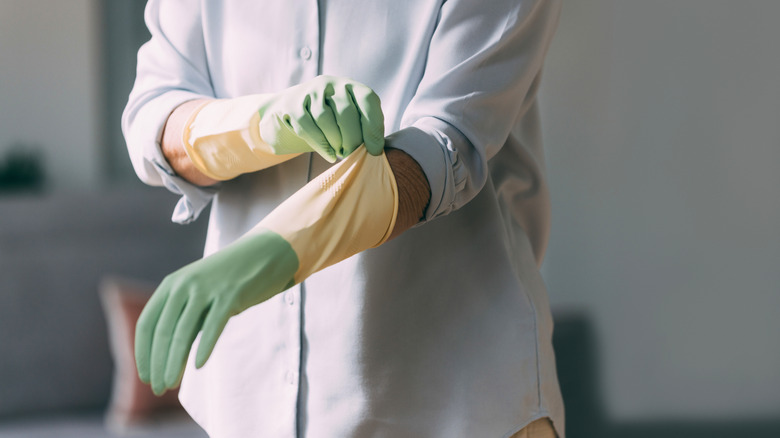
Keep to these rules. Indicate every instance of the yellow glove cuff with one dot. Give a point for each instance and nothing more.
(347, 209)
(222, 138)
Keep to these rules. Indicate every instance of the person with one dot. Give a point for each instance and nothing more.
(435, 325)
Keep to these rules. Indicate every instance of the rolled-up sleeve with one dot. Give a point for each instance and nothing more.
(172, 69)
(481, 76)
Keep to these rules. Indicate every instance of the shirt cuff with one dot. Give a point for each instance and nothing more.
(194, 199)
(431, 142)
(153, 168)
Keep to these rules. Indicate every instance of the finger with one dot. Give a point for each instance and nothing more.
(144, 331)
(372, 120)
(162, 338)
(323, 116)
(306, 128)
(187, 329)
(215, 322)
(348, 120)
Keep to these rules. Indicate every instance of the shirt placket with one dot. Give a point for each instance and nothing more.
(305, 55)
(292, 357)
(305, 51)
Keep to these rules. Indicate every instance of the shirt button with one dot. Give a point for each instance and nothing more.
(305, 53)
(289, 298)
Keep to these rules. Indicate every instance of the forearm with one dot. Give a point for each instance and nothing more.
(414, 193)
(173, 149)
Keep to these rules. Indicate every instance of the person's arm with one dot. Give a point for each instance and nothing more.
(481, 76)
(329, 115)
(172, 69)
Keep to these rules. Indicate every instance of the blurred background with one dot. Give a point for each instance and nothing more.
(662, 132)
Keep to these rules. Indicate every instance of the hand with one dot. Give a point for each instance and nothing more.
(203, 296)
(330, 115)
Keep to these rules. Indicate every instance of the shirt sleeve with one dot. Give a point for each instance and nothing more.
(172, 69)
(481, 76)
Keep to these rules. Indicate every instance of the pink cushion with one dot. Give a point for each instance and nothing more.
(132, 402)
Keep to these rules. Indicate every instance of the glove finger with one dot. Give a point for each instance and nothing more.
(187, 329)
(163, 333)
(348, 120)
(305, 128)
(372, 120)
(323, 116)
(144, 331)
(215, 322)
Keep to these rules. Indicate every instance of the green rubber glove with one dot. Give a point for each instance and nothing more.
(330, 115)
(203, 296)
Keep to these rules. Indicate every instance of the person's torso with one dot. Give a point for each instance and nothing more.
(444, 331)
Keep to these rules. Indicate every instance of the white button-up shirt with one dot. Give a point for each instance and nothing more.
(442, 332)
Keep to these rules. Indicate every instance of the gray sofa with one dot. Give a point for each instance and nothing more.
(55, 365)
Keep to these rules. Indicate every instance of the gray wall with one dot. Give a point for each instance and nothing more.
(50, 86)
(123, 32)
(662, 131)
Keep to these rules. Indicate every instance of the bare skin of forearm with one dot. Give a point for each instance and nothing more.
(173, 149)
(413, 189)
(414, 192)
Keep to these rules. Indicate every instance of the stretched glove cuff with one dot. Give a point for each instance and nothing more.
(349, 208)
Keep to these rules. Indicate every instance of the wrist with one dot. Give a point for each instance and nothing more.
(414, 192)
(172, 146)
